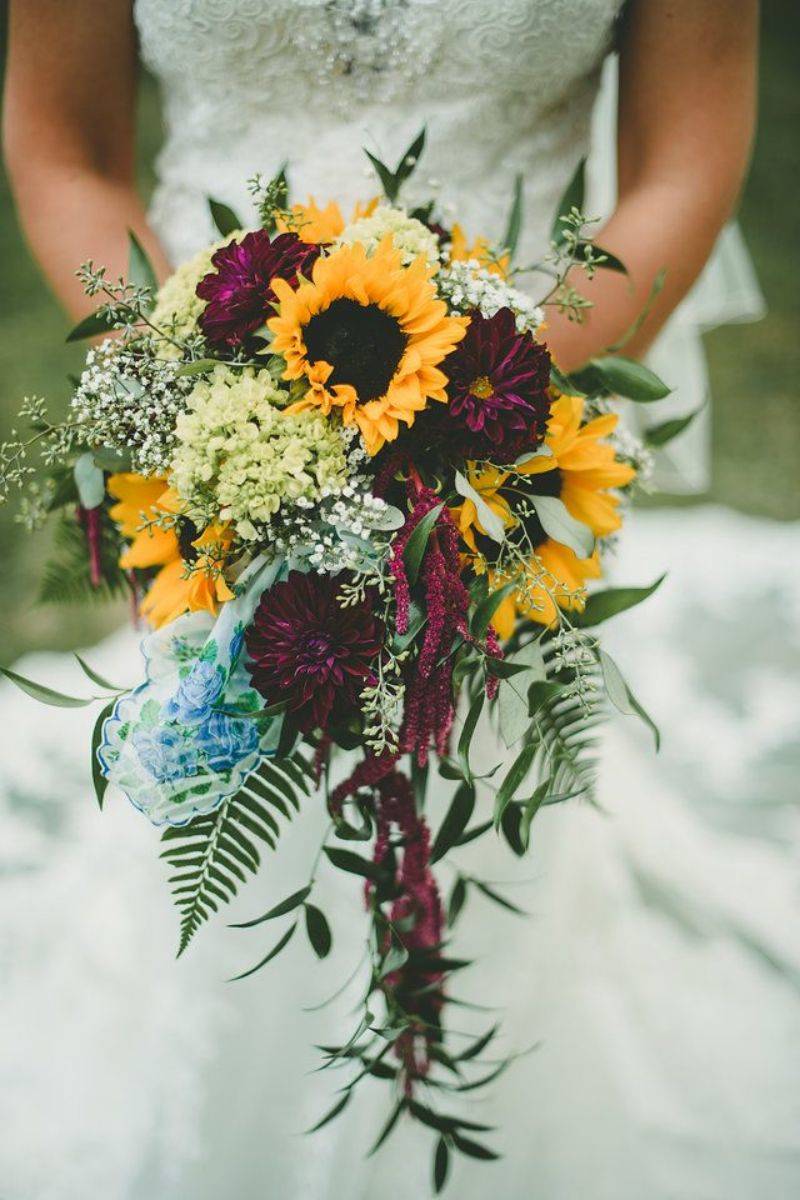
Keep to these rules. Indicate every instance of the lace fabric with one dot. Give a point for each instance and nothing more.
(502, 88)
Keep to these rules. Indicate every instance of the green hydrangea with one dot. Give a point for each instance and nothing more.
(409, 235)
(178, 307)
(240, 457)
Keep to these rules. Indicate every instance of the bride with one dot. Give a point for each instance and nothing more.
(659, 971)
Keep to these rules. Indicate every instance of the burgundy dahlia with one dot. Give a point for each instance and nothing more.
(498, 402)
(239, 291)
(309, 650)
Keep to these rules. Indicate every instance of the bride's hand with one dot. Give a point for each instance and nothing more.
(69, 137)
(685, 125)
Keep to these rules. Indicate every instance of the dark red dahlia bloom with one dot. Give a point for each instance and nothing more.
(498, 403)
(238, 290)
(309, 650)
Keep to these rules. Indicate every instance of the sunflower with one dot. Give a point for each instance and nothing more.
(172, 591)
(481, 250)
(368, 335)
(320, 225)
(579, 470)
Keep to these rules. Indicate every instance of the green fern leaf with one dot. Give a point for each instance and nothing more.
(214, 854)
(66, 577)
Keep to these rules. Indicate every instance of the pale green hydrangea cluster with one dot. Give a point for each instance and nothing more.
(178, 307)
(240, 456)
(409, 235)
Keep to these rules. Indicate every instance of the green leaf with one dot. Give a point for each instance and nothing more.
(626, 377)
(224, 218)
(572, 198)
(477, 1047)
(89, 481)
(411, 157)
(494, 896)
(279, 910)
(394, 1117)
(395, 958)
(318, 930)
(417, 543)
(455, 822)
(559, 524)
(513, 707)
(492, 524)
(467, 733)
(457, 900)
(199, 367)
(44, 695)
(601, 606)
(487, 608)
(529, 810)
(332, 1113)
(273, 953)
(621, 696)
(473, 1149)
(95, 678)
(92, 326)
(99, 780)
(387, 178)
(441, 1165)
(517, 772)
(346, 860)
(660, 435)
(514, 226)
(140, 269)
(612, 263)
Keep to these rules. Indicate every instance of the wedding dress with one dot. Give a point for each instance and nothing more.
(660, 968)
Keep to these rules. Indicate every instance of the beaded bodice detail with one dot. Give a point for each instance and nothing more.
(503, 88)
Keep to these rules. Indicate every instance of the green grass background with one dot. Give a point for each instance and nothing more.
(754, 368)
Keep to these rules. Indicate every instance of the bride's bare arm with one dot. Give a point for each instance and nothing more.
(69, 137)
(686, 118)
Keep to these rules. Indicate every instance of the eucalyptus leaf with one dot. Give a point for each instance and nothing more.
(332, 1113)
(571, 198)
(273, 953)
(514, 226)
(559, 524)
(487, 608)
(90, 673)
(90, 481)
(279, 910)
(467, 733)
(318, 930)
(45, 695)
(491, 522)
(92, 326)
(601, 606)
(626, 377)
(199, 367)
(441, 1166)
(347, 860)
(455, 822)
(512, 700)
(516, 774)
(417, 543)
(615, 685)
(661, 435)
(99, 781)
(140, 270)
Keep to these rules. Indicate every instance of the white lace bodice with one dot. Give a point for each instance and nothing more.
(503, 88)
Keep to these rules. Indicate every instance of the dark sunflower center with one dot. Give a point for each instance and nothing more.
(187, 533)
(362, 343)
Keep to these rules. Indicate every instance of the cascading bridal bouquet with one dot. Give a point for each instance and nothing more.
(335, 467)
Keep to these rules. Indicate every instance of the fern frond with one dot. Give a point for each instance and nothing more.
(66, 577)
(568, 728)
(213, 854)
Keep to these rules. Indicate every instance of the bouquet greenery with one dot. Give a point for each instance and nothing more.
(334, 466)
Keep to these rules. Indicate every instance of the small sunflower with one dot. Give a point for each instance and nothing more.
(367, 334)
(320, 225)
(580, 470)
(173, 590)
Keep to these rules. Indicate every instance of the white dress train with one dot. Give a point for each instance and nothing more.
(659, 969)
